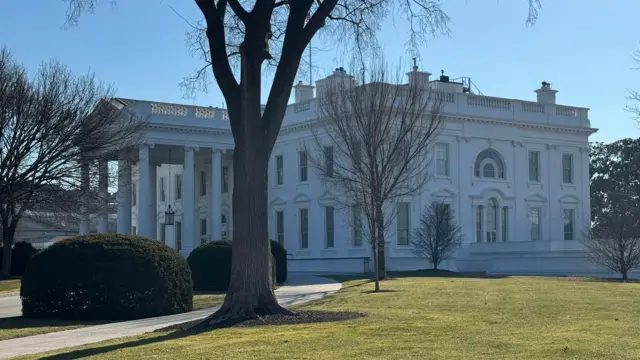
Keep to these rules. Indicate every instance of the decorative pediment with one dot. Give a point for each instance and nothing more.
(444, 193)
(492, 192)
(569, 199)
(301, 198)
(536, 198)
(327, 198)
(278, 201)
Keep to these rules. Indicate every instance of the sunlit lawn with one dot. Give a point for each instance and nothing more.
(20, 327)
(9, 286)
(426, 318)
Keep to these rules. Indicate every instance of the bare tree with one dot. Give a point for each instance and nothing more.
(256, 32)
(616, 244)
(438, 236)
(53, 126)
(379, 136)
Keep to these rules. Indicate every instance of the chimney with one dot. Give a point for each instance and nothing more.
(303, 92)
(546, 95)
(339, 79)
(418, 78)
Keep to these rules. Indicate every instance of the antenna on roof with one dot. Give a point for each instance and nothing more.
(415, 65)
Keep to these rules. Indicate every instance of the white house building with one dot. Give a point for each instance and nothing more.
(515, 172)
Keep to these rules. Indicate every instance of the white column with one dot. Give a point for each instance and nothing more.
(499, 223)
(144, 193)
(483, 224)
(189, 201)
(216, 193)
(153, 201)
(103, 188)
(124, 197)
(84, 188)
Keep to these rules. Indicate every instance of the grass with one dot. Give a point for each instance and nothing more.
(16, 327)
(9, 286)
(424, 318)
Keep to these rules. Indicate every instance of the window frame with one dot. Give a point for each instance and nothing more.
(357, 224)
(570, 173)
(443, 148)
(329, 227)
(178, 186)
(407, 223)
(328, 161)
(537, 177)
(279, 222)
(572, 233)
(279, 169)
(538, 210)
(303, 231)
(303, 169)
(203, 183)
(163, 194)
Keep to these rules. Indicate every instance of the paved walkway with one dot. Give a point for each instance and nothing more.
(299, 289)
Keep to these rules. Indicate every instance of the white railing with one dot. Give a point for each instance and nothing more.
(531, 107)
(488, 102)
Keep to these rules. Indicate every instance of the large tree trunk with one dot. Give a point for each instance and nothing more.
(7, 241)
(376, 274)
(625, 275)
(381, 241)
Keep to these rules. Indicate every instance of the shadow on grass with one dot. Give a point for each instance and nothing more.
(23, 323)
(79, 354)
(391, 275)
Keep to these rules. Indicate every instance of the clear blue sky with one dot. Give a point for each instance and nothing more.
(583, 47)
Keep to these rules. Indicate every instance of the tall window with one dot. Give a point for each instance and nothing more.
(203, 227)
(302, 166)
(489, 164)
(534, 165)
(280, 227)
(203, 183)
(479, 223)
(567, 168)
(134, 194)
(505, 223)
(534, 220)
(569, 219)
(328, 225)
(178, 235)
(178, 186)
(442, 159)
(163, 196)
(134, 230)
(225, 179)
(279, 170)
(304, 228)
(492, 220)
(402, 223)
(328, 161)
(357, 225)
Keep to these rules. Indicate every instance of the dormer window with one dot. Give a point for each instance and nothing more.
(489, 165)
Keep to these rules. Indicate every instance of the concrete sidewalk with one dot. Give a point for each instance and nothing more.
(298, 290)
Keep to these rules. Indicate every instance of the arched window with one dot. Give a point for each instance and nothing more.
(492, 220)
(489, 164)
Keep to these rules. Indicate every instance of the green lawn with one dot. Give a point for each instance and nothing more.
(426, 318)
(8, 286)
(16, 327)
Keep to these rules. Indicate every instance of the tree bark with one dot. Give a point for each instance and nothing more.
(376, 277)
(7, 241)
(381, 241)
(625, 276)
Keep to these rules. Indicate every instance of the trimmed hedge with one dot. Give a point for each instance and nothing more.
(22, 253)
(280, 254)
(210, 265)
(106, 277)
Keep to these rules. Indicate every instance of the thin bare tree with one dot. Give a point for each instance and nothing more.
(373, 143)
(53, 127)
(253, 33)
(438, 236)
(615, 244)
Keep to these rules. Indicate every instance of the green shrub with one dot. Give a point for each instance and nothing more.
(210, 265)
(106, 277)
(21, 254)
(280, 254)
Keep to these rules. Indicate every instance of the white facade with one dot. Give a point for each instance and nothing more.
(538, 152)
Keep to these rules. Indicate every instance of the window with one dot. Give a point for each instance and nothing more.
(163, 233)
(492, 220)
(496, 170)
(178, 186)
(203, 227)
(328, 161)
(304, 228)
(279, 169)
(479, 223)
(178, 235)
(569, 218)
(567, 168)
(134, 194)
(357, 225)
(302, 171)
(402, 223)
(163, 196)
(534, 166)
(203, 183)
(134, 230)
(280, 227)
(534, 219)
(328, 226)
(505, 224)
(442, 159)
(225, 179)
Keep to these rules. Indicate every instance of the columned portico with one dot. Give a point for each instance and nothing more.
(144, 192)
(153, 201)
(216, 194)
(85, 179)
(124, 197)
(189, 201)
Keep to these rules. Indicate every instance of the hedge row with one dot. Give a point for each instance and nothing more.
(22, 253)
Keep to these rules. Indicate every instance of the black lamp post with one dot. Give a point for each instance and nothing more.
(169, 215)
